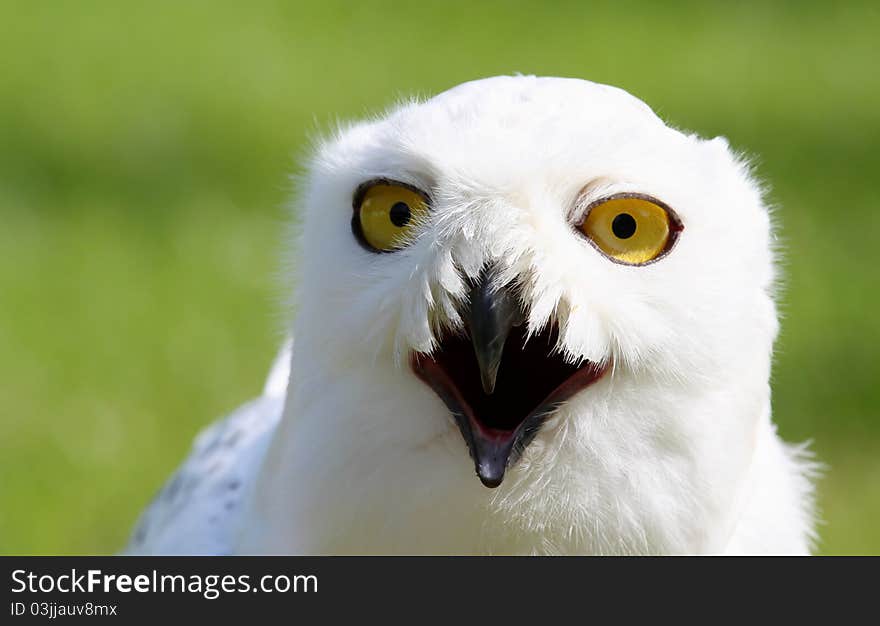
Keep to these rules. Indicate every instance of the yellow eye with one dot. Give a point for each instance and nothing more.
(386, 215)
(631, 229)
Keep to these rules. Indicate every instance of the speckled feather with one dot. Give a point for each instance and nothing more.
(199, 510)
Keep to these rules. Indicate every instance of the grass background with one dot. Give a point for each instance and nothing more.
(144, 155)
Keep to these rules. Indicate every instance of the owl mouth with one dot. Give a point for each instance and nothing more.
(499, 384)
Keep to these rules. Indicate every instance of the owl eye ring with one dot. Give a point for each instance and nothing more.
(631, 228)
(387, 214)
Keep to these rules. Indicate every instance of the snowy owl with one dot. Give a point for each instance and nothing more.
(531, 318)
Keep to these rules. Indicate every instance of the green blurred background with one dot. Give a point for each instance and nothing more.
(145, 150)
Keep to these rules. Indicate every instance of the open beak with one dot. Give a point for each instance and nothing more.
(499, 387)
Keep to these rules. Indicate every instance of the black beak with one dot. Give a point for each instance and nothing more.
(493, 312)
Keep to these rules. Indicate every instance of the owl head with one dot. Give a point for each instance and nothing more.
(545, 268)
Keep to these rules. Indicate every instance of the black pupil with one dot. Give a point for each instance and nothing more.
(624, 226)
(400, 214)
